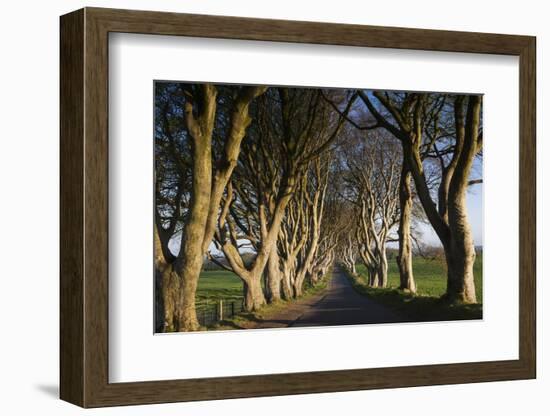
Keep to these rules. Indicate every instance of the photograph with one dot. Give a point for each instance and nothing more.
(287, 207)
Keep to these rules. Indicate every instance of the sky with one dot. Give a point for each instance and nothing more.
(474, 200)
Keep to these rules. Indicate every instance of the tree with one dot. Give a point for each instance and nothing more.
(207, 176)
(372, 178)
(292, 128)
(420, 122)
(314, 195)
(292, 238)
(406, 197)
(305, 243)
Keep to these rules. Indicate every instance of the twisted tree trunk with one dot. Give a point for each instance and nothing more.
(253, 294)
(286, 283)
(460, 272)
(404, 256)
(274, 277)
(383, 268)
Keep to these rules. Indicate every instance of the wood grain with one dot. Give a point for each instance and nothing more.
(71, 217)
(84, 207)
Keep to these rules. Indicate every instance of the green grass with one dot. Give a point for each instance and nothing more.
(426, 305)
(430, 276)
(216, 285)
(245, 319)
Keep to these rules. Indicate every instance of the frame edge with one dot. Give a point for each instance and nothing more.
(528, 208)
(71, 336)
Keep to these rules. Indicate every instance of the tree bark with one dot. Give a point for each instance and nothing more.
(286, 283)
(383, 268)
(254, 297)
(170, 300)
(374, 277)
(404, 257)
(274, 277)
(460, 277)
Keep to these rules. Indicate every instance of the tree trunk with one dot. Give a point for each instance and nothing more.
(188, 265)
(460, 277)
(167, 284)
(286, 283)
(374, 276)
(299, 283)
(383, 269)
(274, 277)
(170, 297)
(187, 314)
(404, 256)
(461, 252)
(254, 297)
(460, 274)
(159, 303)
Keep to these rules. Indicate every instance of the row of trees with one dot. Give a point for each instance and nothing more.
(277, 184)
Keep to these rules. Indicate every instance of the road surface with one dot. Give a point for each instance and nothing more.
(342, 305)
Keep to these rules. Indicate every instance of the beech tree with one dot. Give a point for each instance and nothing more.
(293, 127)
(416, 120)
(188, 124)
(372, 178)
(363, 123)
(314, 196)
(292, 238)
(306, 243)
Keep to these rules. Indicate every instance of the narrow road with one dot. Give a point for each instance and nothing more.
(342, 305)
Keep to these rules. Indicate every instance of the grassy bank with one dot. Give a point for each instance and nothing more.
(216, 285)
(246, 320)
(426, 305)
(430, 276)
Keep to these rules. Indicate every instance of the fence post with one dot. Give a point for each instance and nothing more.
(233, 308)
(220, 310)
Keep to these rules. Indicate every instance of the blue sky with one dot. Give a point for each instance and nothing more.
(474, 200)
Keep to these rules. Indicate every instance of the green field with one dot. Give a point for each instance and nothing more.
(216, 285)
(430, 276)
(426, 305)
(223, 285)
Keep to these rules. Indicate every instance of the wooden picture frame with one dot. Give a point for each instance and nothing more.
(84, 207)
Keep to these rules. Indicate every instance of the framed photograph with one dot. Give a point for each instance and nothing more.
(257, 207)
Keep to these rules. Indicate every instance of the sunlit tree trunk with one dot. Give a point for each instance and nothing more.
(274, 277)
(253, 294)
(383, 268)
(286, 283)
(404, 256)
(460, 284)
(188, 265)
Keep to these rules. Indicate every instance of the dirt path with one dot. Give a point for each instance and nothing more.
(340, 304)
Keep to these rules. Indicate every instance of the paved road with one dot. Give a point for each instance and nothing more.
(342, 305)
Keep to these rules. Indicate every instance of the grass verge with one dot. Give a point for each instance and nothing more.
(419, 307)
(247, 320)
